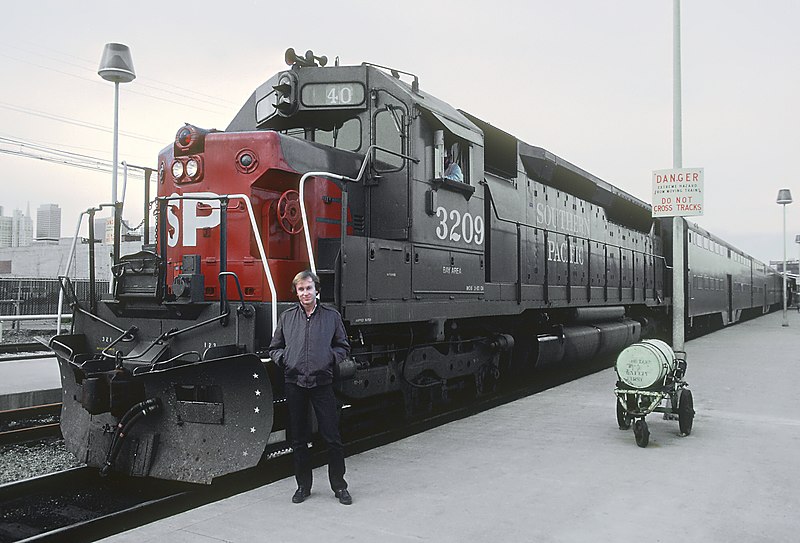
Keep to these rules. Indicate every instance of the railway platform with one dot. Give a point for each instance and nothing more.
(25, 383)
(555, 467)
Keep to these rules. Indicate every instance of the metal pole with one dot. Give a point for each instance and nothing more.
(116, 216)
(147, 173)
(678, 264)
(783, 295)
(116, 144)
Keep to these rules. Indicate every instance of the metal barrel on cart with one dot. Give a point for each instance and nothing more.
(650, 379)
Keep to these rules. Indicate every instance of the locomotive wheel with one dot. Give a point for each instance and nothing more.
(623, 419)
(685, 412)
(641, 433)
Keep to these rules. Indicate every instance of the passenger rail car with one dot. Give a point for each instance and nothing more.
(725, 285)
(446, 285)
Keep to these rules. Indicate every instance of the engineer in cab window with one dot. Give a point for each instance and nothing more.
(452, 170)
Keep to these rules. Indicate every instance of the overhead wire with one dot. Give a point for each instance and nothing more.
(76, 122)
(86, 64)
(95, 81)
(59, 156)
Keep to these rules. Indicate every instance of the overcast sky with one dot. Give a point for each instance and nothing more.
(589, 81)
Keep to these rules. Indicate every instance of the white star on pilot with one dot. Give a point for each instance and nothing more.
(258, 393)
(244, 453)
(252, 430)
(256, 410)
(255, 376)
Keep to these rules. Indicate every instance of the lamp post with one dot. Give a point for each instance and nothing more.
(784, 197)
(116, 65)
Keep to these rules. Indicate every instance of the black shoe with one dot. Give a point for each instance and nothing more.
(344, 496)
(301, 494)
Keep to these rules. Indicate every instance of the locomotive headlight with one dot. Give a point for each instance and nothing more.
(192, 167)
(177, 169)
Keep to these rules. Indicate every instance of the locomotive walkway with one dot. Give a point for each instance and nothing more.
(554, 467)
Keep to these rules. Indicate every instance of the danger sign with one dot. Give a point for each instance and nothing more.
(678, 192)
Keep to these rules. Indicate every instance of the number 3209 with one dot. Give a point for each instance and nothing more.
(456, 227)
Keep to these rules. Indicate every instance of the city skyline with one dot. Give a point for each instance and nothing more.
(17, 229)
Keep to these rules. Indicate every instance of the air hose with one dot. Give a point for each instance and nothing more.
(128, 420)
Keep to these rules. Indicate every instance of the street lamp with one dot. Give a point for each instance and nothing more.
(117, 66)
(784, 197)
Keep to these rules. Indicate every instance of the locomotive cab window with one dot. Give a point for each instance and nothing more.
(389, 135)
(339, 132)
(345, 136)
(452, 138)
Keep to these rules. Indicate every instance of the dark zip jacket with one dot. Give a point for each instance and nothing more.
(308, 347)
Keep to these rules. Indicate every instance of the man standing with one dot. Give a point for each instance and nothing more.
(308, 342)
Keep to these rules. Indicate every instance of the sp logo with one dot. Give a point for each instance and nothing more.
(185, 217)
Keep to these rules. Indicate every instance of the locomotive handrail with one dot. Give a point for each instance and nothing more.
(66, 269)
(256, 234)
(91, 315)
(71, 257)
(242, 308)
(361, 170)
(127, 335)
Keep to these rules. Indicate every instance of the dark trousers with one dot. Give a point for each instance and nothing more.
(323, 401)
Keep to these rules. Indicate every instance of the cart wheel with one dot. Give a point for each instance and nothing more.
(685, 412)
(623, 419)
(641, 433)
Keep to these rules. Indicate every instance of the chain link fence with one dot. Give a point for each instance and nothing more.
(19, 296)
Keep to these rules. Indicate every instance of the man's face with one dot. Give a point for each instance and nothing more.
(306, 292)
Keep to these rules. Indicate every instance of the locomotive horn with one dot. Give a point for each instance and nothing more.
(291, 58)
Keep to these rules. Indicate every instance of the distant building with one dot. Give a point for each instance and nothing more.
(48, 222)
(21, 228)
(6, 228)
(47, 261)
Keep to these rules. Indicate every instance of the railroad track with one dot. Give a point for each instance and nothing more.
(79, 505)
(22, 348)
(29, 423)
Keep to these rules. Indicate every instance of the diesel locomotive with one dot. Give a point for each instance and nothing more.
(446, 287)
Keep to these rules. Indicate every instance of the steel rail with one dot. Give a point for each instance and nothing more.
(29, 432)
